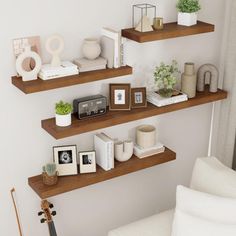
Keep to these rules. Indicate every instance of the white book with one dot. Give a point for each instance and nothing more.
(104, 147)
(159, 101)
(65, 67)
(110, 150)
(123, 61)
(107, 45)
(142, 153)
(92, 68)
(116, 36)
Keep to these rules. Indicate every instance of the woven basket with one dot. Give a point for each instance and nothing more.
(49, 180)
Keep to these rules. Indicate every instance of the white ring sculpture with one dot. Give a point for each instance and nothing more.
(28, 75)
(201, 78)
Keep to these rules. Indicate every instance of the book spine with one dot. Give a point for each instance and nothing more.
(117, 42)
(122, 52)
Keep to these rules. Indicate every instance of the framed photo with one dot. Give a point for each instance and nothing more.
(65, 159)
(138, 97)
(119, 97)
(87, 162)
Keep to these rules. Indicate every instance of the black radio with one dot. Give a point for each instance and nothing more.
(90, 106)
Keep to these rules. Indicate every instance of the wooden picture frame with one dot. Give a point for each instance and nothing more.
(65, 158)
(87, 162)
(120, 97)
(138, 97)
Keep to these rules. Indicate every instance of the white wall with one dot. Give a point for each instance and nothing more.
(25, 147)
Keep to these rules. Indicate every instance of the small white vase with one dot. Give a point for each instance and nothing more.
(187, 19)
(146, 136)
(124, 150)
(91, 49)
(63, 120)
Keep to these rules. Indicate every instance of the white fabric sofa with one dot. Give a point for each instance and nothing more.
(209, 175)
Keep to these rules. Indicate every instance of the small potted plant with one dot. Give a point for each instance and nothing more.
(165, 78)
(63, 114)
(188, 12)
(50, 174)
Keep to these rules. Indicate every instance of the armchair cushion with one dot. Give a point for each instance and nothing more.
(156, 225)
(211, 176)
(203, 214)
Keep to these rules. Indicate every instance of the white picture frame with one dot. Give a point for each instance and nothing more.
(87, 162)
(65, 158)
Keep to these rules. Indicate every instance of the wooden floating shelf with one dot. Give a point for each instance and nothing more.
(69, 183)
(112, 118)
(171, 30)
(40, 85)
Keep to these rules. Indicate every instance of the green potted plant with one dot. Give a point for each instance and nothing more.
(165, 78)
(50, 174)
(63, 113)
(188, 12)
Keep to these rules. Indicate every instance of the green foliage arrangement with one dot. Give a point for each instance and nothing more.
(165, 75)
(50, 169)
(63, 108)
(188, 6)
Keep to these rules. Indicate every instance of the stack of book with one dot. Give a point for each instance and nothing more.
(113, 48)
(142, 152)
(157, 100)
(104, 147)
(90, 65)
(67, 68)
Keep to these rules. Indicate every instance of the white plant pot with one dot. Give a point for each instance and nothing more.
(63, 120)
(187, 19)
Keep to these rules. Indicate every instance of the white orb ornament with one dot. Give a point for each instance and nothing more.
(28, 75)
(55, 52)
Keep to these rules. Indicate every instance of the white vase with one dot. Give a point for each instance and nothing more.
(124, 150)
(187, 19)
(146, 136)
(91, 49)
(63, 120)
(28, 75)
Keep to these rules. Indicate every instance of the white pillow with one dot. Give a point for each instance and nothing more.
(202, 214)
(211, 176)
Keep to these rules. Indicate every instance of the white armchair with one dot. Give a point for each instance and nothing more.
(209, 176)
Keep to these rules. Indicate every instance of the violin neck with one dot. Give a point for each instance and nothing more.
(52, 229)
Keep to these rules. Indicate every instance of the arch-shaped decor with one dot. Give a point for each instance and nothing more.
(201, 78)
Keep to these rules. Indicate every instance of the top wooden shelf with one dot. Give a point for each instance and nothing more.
(40, 85)
(171, 30)
(119, 117)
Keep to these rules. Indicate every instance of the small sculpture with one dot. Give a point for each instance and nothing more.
(124, 151)
(28, 75)
(58, 40)
(201, 78)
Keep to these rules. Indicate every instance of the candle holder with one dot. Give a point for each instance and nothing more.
(144, 23)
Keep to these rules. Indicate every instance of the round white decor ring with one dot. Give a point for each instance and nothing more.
(60, 41)
(28, 75)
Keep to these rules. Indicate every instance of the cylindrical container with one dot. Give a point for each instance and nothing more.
(63, 120)
(49, 180)
(158, 23)
(146, 136)
(91, 48)
(189, 80)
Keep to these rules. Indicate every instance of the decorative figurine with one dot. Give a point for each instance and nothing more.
(201, 78)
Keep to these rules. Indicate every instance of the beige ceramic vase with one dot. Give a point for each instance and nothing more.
(189, 80)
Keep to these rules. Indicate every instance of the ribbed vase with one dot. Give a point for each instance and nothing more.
(189, 80)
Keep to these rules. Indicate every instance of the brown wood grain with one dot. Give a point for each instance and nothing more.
(171, 30)
(69, 183)
(112, 118)
(40, 85)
